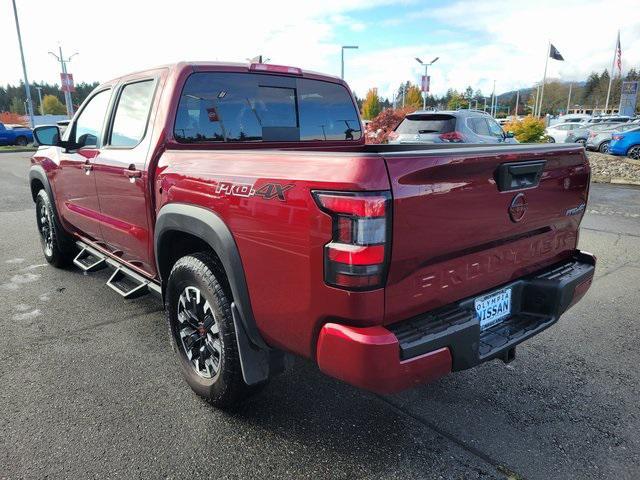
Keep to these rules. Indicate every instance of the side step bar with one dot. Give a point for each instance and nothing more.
(125, 281)
(87, 261)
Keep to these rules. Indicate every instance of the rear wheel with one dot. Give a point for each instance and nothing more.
(56, 246)
(604, 147)
(581, 141)
(550, 139)
(202, 333)
(634, 152)
(21, 141)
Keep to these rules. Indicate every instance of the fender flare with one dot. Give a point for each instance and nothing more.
(36, 172)
(209, 227)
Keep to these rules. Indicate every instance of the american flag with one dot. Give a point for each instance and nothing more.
(619, 55)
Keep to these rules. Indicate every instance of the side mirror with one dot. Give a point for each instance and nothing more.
(47, 135)
(509, 135)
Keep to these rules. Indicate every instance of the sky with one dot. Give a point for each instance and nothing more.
(477, 42)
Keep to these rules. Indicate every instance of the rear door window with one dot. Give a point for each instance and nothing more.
(132, 112)
(479, 126)
(233, 107)
(416, 124)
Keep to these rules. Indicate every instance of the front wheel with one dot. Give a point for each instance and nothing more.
(57, 248)
(202, 333)
(634, 152)
(21, 141)
(582, 142)
(604, 147)
(549, 139)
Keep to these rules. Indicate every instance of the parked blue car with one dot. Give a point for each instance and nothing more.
(15, 135)
(626, 143)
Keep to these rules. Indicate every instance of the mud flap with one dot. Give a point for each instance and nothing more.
(255, 361)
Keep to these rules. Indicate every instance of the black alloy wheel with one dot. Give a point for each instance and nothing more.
(199, 332)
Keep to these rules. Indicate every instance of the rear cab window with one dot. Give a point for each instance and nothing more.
(248, 107)
(414, 124)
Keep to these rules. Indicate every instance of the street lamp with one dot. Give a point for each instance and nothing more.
(426, 65)
(344, 47)
(40, 97)
(63, 65)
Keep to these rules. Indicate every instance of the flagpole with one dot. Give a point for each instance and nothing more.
(544, 79)
(569, 99)
(613, 64)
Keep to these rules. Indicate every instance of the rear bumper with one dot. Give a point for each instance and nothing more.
(424, 348)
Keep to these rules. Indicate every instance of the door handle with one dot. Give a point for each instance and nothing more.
(132, 173)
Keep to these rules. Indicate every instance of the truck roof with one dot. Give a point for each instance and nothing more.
(179, 67)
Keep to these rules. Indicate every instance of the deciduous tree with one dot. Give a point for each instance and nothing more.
(371, 105)
(51, 105)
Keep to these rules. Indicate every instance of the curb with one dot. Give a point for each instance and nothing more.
(614, 180)
(21, 150)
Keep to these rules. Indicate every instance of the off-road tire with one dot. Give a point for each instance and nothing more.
(226, 388)
(58, 249)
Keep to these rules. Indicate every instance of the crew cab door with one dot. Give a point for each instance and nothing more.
(76, 195)
(121, 178)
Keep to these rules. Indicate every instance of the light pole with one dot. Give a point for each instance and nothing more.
(27, 90)
(344, 47)
(63, 65)
(40, 99)
(426, 79)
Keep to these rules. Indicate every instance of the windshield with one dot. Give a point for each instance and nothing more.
(415, 124)
(232, 107)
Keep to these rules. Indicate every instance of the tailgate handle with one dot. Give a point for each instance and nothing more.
(519, 175)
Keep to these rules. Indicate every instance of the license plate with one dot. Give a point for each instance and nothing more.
(493, 308)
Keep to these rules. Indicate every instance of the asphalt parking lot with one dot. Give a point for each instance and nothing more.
(89, 386)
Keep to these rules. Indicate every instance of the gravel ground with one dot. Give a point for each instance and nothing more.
(612, 169)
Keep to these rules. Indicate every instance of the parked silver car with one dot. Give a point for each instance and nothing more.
(600, 140)
(450, 126)
(581, 134)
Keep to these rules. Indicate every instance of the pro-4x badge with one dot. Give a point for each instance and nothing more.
(268, 191)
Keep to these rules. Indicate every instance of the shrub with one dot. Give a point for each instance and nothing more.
(378, 129)
(13, 118)
(527, 130)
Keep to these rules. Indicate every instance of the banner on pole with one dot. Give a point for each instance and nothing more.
(628, 98)
(66, 80)
(426, 81)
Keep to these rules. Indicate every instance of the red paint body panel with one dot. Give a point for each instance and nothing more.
(370, 358)
(451, 235)
(281, 243)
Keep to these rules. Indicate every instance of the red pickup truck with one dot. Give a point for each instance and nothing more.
(245, 197)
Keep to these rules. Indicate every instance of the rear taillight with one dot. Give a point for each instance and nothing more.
(616, 137)
(592, 134)
(452, 137)
(356, 258)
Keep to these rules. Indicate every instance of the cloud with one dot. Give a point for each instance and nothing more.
(477, 42)
(504, 40)
(131, 35)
